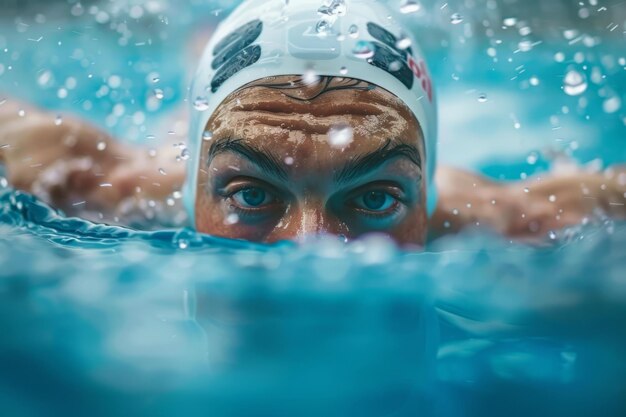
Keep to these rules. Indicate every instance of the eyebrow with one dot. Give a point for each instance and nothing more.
(366, 163)
(357, 167)
(265, 160)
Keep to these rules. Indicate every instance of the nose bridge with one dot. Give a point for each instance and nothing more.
(312, 217)
(307, 217)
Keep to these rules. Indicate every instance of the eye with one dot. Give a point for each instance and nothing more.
(253, 197)
(375, 201)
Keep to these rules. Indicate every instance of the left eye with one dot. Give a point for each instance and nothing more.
(377, 201)
(253, 197)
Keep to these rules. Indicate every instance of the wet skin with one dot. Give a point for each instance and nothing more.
(271, 172)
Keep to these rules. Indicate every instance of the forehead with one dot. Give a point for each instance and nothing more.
(331, 117)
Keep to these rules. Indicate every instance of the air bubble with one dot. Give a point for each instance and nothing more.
(101, 146)
(58, 121)
(158, 94)
(207, 135)
(343, 70)
(482, 98)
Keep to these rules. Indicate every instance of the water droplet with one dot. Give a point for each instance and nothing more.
(207, 135)
(525, 45)
(343, 71)
(45, 79)
(455, 212)
(162, 171)
(363, 50)
(310, 77)
(158, 94)
(289, 160)
(183, 243)
(58, 121)
(532, 158)
(410, 6)
(201, 104)
(335, 8)
(101, 146)
(575, 83)
(552, 235)
(395, 66)
(353, 31)
(482, 98)
(114, 81)
(231, 219)
(526, 190)
(184, 154)
(510, 21)
(340, 136)
(323, 27)
(21, 112)
(552, 198)
(403, 43)
(534, 81)
(3, 182)
(612, 104)
(456, 18)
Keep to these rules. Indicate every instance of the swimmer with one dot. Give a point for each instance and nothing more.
(296, 129)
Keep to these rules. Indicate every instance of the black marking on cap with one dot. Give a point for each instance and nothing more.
(238, 40)
(388, 60)
(388, 38)
(250, 30)
(239, 61)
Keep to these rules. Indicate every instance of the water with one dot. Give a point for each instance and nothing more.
(102, 320)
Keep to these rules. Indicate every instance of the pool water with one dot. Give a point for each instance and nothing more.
(104, 320)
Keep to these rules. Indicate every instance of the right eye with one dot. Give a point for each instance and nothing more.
(253, 198)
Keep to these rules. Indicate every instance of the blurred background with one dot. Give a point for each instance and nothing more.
(500, 64)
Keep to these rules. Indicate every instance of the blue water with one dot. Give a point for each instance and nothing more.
(102, 320)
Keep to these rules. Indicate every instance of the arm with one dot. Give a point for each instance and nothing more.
(72, 162)
(530, 209)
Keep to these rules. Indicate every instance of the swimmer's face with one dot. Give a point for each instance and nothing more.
(274, 170)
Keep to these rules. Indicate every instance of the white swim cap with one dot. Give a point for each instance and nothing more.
(343, 38)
